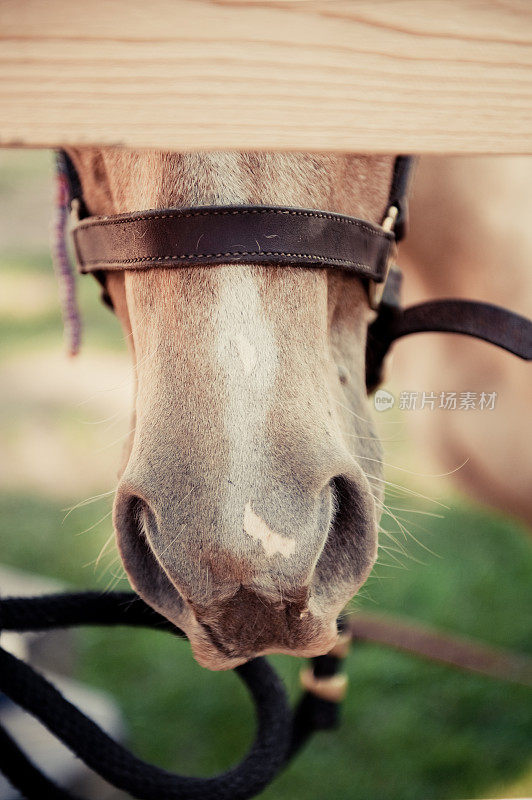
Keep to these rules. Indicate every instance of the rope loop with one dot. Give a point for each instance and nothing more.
(279, 734)
(95, 748)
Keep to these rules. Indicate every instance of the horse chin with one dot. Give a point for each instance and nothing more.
(216, 656)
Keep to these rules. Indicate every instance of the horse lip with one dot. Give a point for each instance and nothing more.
(210, 656)
(217, 642)
(296, 634)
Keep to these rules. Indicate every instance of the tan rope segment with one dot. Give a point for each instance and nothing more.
(332, 688)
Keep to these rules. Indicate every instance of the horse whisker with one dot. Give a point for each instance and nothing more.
(90, 528)
(87, 502)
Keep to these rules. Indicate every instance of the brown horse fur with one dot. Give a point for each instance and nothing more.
(470, 237)
(250, 494)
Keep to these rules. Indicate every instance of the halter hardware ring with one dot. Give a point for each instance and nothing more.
(376, 290)
(75, 211)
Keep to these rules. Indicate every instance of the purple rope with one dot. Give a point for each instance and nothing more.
(62, 264)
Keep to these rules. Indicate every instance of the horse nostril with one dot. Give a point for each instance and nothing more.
(144, 517)
(353, 533)
(135, 525)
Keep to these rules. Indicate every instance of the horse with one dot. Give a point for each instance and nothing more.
(469, 237)
(250, 493)
(251, 488)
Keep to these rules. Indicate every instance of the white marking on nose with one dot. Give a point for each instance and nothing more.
(272, 542)
(247, 352)
(245, 343)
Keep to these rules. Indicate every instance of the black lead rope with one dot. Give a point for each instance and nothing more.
(279, 735)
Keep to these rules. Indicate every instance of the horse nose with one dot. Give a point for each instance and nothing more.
(243, 571)
(211, 546)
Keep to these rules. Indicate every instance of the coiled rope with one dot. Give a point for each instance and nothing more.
(279, 734)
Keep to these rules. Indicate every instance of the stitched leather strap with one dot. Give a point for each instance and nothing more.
(232, 234)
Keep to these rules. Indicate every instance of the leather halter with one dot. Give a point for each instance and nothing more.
(294, 237)
(232, 234)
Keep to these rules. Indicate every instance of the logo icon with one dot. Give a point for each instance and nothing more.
(383, 400)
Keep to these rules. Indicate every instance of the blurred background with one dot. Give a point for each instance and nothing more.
(410, 729)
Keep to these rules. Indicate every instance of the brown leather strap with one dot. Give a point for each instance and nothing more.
(485, 321)
(232, 234)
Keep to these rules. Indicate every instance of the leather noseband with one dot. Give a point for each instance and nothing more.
(292, 237)
(232, 234)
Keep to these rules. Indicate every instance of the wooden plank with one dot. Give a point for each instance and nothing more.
(365, 75)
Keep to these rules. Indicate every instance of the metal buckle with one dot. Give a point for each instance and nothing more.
(75, 207)
(376, 289)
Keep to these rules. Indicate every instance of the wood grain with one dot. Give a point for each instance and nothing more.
(379, 75)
